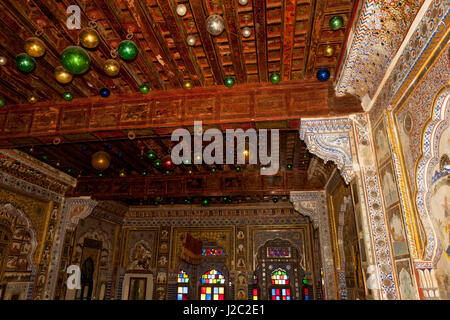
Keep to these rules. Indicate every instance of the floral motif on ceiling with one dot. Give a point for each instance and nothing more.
(379, 32)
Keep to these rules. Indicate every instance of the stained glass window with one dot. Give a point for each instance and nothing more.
(281, 294)
(273, 252)
(212, 286)
(183, 279)
(280, 277)
(255, 288)
(213, 252)
(280, 282)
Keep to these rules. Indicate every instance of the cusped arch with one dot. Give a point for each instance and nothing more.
(434, 128)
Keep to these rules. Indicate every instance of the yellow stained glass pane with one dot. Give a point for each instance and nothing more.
(216, 297)
(221, 290)
(180, 289)
(202, 296)
(255, 298)
(208, 290)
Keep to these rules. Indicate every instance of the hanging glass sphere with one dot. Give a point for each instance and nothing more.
(155, 203)
(3, 60)
(187, 84)
(2, 102)
(206, 202)
(275, 77)
(328, 50)
(62, 75)
(75, 59)
(215, 24)
(144, 173)
(213, 169)
(67, 96)
(243, 2)
(35, 47)
(32, 99)
(191, 40)
(157, 163)
(229, 81)
(275, 200)
(181, 10)
(336, 22)
(187, 201)
(323, 74)
(128, 50)
(104, 92)
(144, 89)
(89, 38)
(289, 166)
(238, 168)
(111, 67)
(151, 155)
(101, 160)
(246, 32)
(25, 62)
(168, 164)
(122, 173)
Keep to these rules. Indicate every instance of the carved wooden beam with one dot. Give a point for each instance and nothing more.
(265, 106)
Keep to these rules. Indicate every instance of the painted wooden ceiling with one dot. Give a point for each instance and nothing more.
(287, 37)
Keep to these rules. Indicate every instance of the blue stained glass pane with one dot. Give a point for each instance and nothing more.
(288, 298)
(180, 296)
(284, 292)
(278, 297)
(216, 290)
(185, 290)
(306, 298)
(273, 292)
(203, 280)
(208, 297)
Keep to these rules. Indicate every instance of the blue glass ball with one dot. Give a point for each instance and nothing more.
(323, 74)
(104, 92)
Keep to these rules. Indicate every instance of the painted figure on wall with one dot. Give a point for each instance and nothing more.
(405, 283)
(397, 232)
(389, 186)
(381, 143)
(141, 256)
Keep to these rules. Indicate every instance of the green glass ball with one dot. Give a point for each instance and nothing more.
(238, 168)
(275, 200)
(144, 173)
(336, 22)
(25, 62)
(158, 163)
(275, 77)
(213, 170)
(289, 166)
(67, 96)
(2, 102)
(229, 81)
(187, 201)
(206, 202)
(144, 89)
(75, 59)
(151, 155)
(127, 50)
(155, 203)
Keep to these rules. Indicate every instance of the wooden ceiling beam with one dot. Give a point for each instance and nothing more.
(140, 13)
(289, 11)
(259, 14)
(234, 36)
(208, 44)
(177, 32)
(318, 17)
(113, 17)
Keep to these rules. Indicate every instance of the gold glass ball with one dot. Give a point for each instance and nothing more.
(3, 60)
(111, 67)
(187, 85)
(32, 99)
(89, 38)
(35, 47)
(101, 160)
(328, 51)
(62, 75)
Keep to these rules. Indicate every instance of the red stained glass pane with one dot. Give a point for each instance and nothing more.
(203, 290)
(277, 292)
(220, 296)
(255, 292)
(273, 298)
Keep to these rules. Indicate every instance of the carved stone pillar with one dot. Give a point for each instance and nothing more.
(72, 211)
(347, 141)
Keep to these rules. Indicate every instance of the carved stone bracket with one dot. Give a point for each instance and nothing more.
(329, 139)
(72, 211)
(312, 204)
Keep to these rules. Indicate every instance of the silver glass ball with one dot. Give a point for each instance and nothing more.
(215, 24)
(246, 32)
(191, 40)
(3, 60)
(243, 2)
(181, 10)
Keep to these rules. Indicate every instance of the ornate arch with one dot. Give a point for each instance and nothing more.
(11, 213)
(312, 204)
(437, 124)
